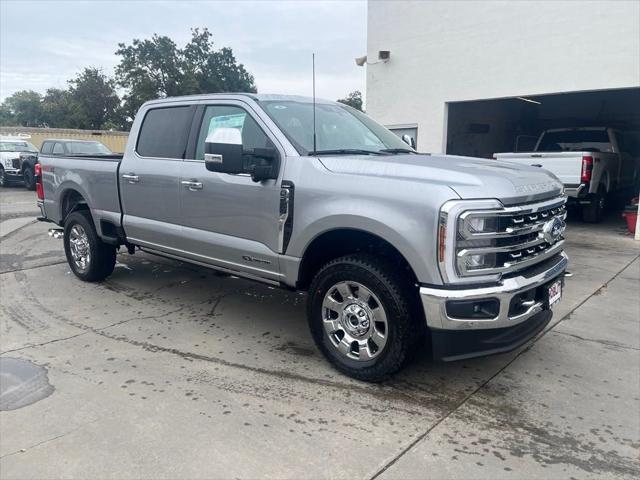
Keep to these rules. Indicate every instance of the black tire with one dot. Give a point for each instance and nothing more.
(29, 178)
(102, 256)
(398, 296)
(594, 211)
(3, 178)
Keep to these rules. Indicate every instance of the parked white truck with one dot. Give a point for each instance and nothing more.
(592, 163)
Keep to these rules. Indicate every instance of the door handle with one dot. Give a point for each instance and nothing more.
(131, 178)
(191, 185)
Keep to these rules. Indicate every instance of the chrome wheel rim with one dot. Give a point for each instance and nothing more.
(354, 321)
(79, 246)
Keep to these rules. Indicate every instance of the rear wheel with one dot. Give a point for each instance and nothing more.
(29, 179)
(593, 212)
(89, 257)
(363, 316)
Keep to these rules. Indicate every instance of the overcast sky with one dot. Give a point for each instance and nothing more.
(45, 43)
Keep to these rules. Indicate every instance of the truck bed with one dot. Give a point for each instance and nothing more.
(94, 177)
(567, 166)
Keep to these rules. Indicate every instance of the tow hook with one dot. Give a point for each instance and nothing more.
(56, 232)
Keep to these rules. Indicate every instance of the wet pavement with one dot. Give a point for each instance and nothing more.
(167, 370)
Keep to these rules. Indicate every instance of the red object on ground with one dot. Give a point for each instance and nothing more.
(631, 218)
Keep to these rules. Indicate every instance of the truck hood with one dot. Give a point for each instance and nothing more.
(466, 176)
(7, 157)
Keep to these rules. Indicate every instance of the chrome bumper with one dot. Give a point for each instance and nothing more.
(575, 192)
(434, 300)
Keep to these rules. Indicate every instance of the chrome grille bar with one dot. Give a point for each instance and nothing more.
(516, 238)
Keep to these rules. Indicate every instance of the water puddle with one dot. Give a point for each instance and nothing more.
(22, 383)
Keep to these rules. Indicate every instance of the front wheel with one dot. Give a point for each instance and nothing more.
(3, 178)
(88, 256)
(363, 316)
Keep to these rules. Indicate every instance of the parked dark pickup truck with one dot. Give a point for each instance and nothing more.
(17, 161)
(393, 247)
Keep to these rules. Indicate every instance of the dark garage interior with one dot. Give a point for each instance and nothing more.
(484, 127)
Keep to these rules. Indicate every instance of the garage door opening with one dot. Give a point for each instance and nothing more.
(484, 127)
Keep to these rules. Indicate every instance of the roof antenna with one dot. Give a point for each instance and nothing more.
(313, 66)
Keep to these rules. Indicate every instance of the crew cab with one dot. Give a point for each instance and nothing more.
(17, 161)
(592, 163)
(392, 246)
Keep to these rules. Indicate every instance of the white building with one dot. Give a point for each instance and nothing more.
(469, 77)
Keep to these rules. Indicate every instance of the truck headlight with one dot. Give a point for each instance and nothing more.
(481, 261)
(481, 240)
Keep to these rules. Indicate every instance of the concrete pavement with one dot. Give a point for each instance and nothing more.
(167, 370)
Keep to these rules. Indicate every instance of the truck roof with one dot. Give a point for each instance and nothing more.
(259, 97)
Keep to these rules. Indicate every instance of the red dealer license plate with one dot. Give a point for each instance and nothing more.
(555, 292)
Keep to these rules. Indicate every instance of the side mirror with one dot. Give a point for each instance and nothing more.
(224, 154)
(409, 140)
(223, 151)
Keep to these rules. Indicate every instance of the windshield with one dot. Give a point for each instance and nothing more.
(576, 140)
(17, 147)
(338, 127)
(87, 148)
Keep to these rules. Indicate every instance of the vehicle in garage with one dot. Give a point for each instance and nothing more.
(391, 245)
(593, 163)
(17, 157)
(74, 147)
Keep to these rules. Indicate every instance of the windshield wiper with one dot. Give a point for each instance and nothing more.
(397, 150)
(345, 151)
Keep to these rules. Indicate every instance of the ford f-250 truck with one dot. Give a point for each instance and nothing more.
(392, 246)
(592, 163)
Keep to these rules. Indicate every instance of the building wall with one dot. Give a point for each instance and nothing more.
(444, 51)
(115, 141)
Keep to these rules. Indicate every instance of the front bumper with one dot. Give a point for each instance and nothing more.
(532, 311)
(12, 174)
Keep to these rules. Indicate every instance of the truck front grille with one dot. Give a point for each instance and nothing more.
(506, 240)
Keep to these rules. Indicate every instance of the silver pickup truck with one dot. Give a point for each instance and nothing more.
(593, 163)
(397, 250)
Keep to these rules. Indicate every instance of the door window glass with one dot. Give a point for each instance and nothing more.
(164, 132)
(219, 116)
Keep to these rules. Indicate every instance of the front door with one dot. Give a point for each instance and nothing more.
(229, 220)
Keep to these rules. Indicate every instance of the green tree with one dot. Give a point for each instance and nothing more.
(354, 99)
(93, 101)
(157, 67)
(6, 116)
(23, 108)
(56, 108)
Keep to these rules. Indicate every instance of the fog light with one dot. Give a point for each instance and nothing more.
(473, 309)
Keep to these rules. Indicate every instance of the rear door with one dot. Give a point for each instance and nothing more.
(150, 176)
(230, 220)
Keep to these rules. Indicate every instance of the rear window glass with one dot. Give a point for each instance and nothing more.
(576, 140)
(164, 132)
(87, 148)
(47, 147)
